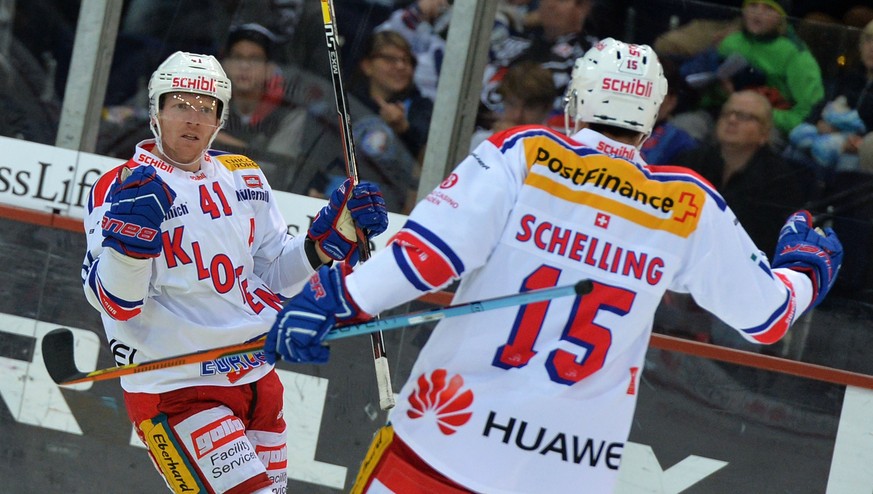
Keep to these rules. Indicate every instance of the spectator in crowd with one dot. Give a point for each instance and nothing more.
(703, 26)
(668, 140)
(390, 122)
(558, 39)
(527, 94)
(261, 122)
(148, 32)
(779, 64)
(511, 20)
(281, 17)
(423, 24)
(759, 185)
(833, 135)
(385, 85)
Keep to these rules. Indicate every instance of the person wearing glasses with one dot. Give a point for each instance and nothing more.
(262, 122)
(424, 24)
(761, 187)
(385, 85)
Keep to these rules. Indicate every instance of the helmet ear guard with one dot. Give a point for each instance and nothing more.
(616, 84)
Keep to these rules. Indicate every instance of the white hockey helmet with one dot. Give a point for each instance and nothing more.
(188, 73)
(617, 84)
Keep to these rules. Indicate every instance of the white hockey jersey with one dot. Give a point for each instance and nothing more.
(540, 398)
(226, 255)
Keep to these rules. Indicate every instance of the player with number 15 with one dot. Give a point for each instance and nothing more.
(540, 398)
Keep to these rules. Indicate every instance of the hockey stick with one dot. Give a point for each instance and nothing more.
(380, 357)
(59, 355)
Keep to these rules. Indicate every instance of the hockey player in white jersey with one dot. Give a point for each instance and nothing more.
(187, 250)
(540, 398)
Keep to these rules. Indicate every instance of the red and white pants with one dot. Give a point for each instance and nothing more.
(391, 467)
(216, 439)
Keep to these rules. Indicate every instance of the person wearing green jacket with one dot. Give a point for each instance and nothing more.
(791, 76)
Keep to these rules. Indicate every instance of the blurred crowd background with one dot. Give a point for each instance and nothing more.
(770, 100)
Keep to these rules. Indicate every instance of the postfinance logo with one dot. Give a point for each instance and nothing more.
(614, 186)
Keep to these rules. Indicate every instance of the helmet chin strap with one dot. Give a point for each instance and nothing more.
(155, 126)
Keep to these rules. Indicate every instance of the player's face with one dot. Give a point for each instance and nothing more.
(743, 121)
(187, 123)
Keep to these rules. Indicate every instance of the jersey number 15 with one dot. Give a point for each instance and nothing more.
(565, 367)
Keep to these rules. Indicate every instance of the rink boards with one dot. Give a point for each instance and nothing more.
(701, 426)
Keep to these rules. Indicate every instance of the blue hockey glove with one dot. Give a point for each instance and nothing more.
(140, 200)
(300, 327)
(334, 226)
(817, 253)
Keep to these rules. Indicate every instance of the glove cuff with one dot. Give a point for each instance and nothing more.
(355, 314)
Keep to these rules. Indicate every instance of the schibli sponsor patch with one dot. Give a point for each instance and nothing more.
(150, 159)
(626, 152)
(551, 444)
(168, 455)
(633, 87)
(202, 83)
(236, 162)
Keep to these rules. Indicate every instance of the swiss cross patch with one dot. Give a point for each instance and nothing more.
(253, 181)
(602, 220)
